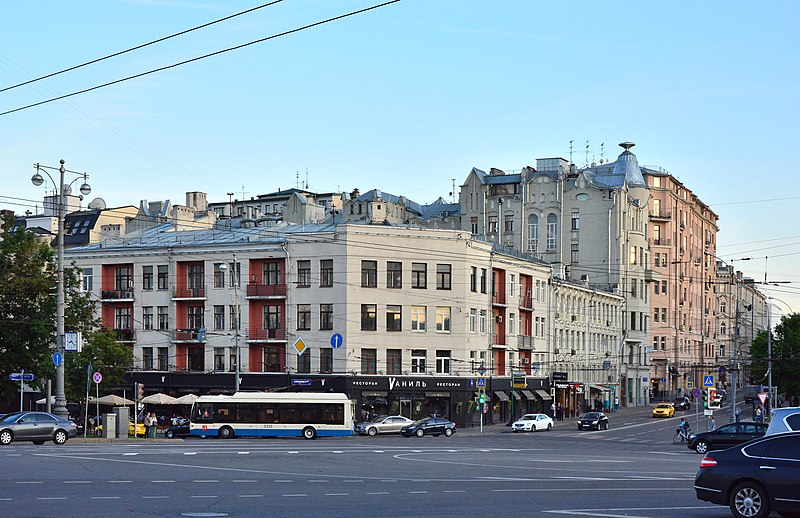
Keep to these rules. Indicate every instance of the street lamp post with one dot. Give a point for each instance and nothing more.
(234, 277)
(60, 407)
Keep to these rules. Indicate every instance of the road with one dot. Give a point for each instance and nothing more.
(632, 469)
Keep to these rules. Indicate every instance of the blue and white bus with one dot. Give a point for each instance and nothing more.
(272, 414)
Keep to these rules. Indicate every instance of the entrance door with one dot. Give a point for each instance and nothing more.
(405, 408)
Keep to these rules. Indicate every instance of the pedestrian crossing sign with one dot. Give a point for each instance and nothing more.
(689, 385)
(480, 382)
(708, 380)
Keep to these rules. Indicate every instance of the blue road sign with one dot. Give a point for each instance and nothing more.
(97, 377)
(481, 382)
(708, 381)
(21, 376)
(302, 383)
(696, 392)
(336, 341)
(57, 359)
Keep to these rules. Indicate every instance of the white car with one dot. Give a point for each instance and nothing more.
(532, 423)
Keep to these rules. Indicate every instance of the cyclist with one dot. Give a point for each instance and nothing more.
(684, 428)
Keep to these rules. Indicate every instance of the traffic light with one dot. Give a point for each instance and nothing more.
(713, 402)
(705, 398)
(140, 391)
(482, 397)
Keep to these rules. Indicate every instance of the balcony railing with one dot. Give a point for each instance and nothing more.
(266, 290)
(661, 214)
(109, 295)
(661, 241)
(125, 335)
(190, 335)
(266, 334)
(189, 293)
(499, 297)
(526, 301)
(525, 342)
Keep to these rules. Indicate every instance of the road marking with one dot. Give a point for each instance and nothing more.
(378, 451)
(352, 481)
(292, 495)
(337, 451)
(77, 481)
(163, 481)
(206, 481)
(292, 452)
(190, 453)
(454, 491)
(282, 481)
(243, 481)
(52, 498)
(418, 492)
(104, 497)
(129, 454)
(120, 481)
(155, 497)
(317, 480)
(6, 500)
(31, 482)
(243, 453)
(379, 493)
(250, 496)
(205, 496)
(337, 494)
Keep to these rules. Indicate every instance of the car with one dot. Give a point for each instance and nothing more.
(141, 429)
(726, 436)
(785, 419)
(664, 410)
(181, 430)
(532, 423)
(433, 425)
(382, 424)
(682, 403)
(36, 427)
(593, 421)
(754, 478)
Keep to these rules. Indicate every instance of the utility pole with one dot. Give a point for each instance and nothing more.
(235, 279)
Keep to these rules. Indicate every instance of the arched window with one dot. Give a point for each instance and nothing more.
(533, 233)
(552, 231)
(722, 329)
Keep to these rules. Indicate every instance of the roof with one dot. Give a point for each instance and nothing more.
(440, 209)
(625, 171)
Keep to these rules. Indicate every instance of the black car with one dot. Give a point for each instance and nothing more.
(435, 426)
(753, 478)
(181, 430)
(36, 427)
(593, 421)
(682, 403)
(726, 436)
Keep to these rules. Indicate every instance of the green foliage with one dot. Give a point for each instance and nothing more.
(106, 355)
(785, 356)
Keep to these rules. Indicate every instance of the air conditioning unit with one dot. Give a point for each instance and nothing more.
(499, 319)
(526, 361)
(127, 294)
(574, 318)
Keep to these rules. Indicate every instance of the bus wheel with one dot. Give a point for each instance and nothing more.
(225, 433)
(309, 432)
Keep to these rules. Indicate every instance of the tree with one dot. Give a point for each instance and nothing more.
(785, 356)
(106, 355)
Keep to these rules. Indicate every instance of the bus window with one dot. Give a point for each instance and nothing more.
(204, 412)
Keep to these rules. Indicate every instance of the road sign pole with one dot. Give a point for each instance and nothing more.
(21, 379)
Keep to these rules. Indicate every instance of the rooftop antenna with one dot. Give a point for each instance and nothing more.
(297, 179)
(453, 193)
(586, 160)
(244, 193)
(602, 152)
(306, 178)
(570, 152)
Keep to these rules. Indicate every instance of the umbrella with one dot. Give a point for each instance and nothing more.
(113, 400)
(43, 401)
(159, 399)
(188, 399)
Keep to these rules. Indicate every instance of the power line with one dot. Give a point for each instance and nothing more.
(198, 58)
(159, 40)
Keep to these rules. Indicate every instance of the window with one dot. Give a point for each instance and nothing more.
(512, 281)
(576, 220)
(235, 313)
(219, 318)
(655, 314)
(219, 276)
(194, 317)
(574, 252)
(419, 275)
(122, 318)
(443, 362)
(664, 315)
(657, 234)
(369, 361)
(369, 274)
(272, 273)
(394, 274)
(723, 329)
(147, 279)
(163, 317)
(369, 317)
(483, 280)
(473, 224)
(418, 361)
(512, 324)
(394, 318)
(163, 358)
(663, 343)
(235, 274)
(147, 317)
(443, 319)
(272, 317)
(326, 360)
(483, 321)
(633, 255)
(219, 358)
(508, 223)
(443, 276)
(325, 317)
(473, 320)
(303, 317)
(473, 279)
(663, 287)
(326, 273)
(195, 277)
(147, 358)
(533, 233)
(303, 274)
(122, 279)
(304, 363)
(493, 224)
(163, 277)
(552, 231)
(394, 361)
(418, 318)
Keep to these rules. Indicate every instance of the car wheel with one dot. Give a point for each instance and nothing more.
(309, 432)
(225, 433)
(372, 431)
(549, 427)
(749, 500)
(6, 437)
(60, 437)
(448, 432)
(420, 432)
(701, 447)
(170, 434)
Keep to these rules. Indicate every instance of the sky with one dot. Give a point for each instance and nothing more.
(409, 97)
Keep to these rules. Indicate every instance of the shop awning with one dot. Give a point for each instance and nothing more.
(502, 396)
(528, 394)
(516, 394)
(544, 395)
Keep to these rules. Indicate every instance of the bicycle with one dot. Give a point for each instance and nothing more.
(681, 436)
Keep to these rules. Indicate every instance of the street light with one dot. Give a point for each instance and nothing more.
(60, 407)
(235, 281)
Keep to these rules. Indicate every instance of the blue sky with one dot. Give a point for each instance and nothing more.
(411, 96)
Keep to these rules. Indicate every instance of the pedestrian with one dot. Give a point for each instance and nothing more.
(738, 413)
(553, 410)
(616, 403)
(758, 414)
(560, 412)
(153, 425)
(146, 421)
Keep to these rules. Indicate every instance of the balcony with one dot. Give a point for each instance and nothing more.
(266, 335)
(117, 295)
(125, 335)
(661, 215)
(526, 301)
(651, 275)
(659, 242)
(266, 291)
(189, 293)
(189, 335)
(499, 298)
(525, 342)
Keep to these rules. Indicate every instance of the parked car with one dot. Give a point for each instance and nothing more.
(435, 426)
(786, 419)
(532, 423)
(141, 429)
(383, 424)
(726, 436)
(181, 430)
(682, 403)
(753, 478)
(664, 410)
(593, 421)
(37, 427)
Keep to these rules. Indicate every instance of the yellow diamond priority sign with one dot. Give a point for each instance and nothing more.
(300, 346)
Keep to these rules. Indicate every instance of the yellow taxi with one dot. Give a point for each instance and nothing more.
(664, 410)
(141, 431)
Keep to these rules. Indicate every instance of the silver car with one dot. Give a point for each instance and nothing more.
(37, 427)
(382, 424)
